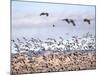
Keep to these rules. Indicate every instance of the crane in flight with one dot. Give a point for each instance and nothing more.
(46, 14)
(69, 21)
(87, 20)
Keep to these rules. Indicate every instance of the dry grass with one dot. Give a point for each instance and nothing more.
(52, 62)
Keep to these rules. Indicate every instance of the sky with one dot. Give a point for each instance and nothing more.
(27, 22)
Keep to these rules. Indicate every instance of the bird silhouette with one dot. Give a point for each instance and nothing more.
(69, 21)
(53, 25)
(46, 14)
(87, 20)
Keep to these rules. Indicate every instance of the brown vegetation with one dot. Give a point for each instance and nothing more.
(52, 62)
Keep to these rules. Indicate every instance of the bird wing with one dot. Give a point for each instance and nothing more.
(42, 14)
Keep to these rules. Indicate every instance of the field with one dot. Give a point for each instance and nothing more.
(51, 61)
(36, 56)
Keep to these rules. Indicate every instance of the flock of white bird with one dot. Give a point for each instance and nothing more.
(86, 42)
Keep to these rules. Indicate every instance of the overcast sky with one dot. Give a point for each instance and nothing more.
(26, 19)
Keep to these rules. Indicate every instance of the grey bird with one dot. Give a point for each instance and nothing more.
(69, 21)
(46, 14)
(87, 20)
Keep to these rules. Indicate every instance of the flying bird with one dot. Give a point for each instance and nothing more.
(46, 14)
(69, 21)
(87, 20)
(53, 25)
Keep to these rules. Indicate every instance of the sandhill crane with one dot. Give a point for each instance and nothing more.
(69, 21)
(46, 14)
(87, 20)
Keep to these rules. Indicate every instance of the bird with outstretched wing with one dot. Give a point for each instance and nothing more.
(46, 14)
